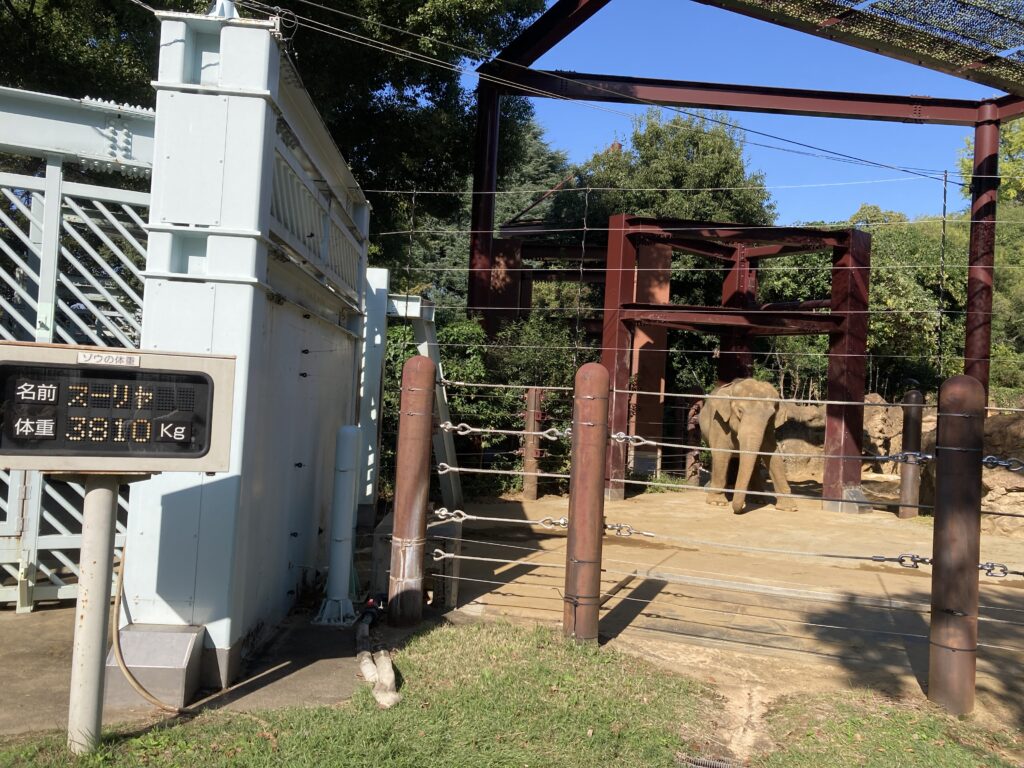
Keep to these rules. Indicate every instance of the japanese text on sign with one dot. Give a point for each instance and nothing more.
(64, 410)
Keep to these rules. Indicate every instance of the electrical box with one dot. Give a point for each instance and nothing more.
(90, 409)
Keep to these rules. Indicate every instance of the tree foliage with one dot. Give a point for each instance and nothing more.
(1011, 162)
(687, 167)
(401, 123)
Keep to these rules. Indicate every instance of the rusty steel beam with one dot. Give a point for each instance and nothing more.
(741, 98)
(660, 314)
(548, 252)
(788, 306)
(1010, 108)
(847, 363)
(685, 229)
(776, 14)
(412, 487)
(981, 261)
(545, 33)
(953, 639)
(586, 504)
(566, 275)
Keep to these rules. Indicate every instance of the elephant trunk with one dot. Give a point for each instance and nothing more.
(749, 443)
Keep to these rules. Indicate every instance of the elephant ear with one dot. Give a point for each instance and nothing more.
(781, 414)
(714, 408)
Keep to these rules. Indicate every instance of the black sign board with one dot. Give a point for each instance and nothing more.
(62, 410)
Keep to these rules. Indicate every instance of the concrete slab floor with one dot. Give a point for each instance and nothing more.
(304, 665)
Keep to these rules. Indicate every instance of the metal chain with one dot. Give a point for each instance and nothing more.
(994, 462)
(998, 570)
(626, 530)
(465, 429)
(460, 516)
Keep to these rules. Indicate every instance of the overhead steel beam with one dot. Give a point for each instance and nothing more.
(743, 98)
(1010, 108)
(557, 23)
(738, 233)
(99, 135)
(924, 53)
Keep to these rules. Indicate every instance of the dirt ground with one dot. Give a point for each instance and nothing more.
(757, 604)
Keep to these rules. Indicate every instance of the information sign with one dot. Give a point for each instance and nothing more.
(68, 408)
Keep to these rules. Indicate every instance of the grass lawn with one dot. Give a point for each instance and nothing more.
(505, 695)
(866, 729)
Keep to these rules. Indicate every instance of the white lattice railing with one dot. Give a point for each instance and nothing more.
(101, 261)
(83, 269)
(21, 206)
(314, 227)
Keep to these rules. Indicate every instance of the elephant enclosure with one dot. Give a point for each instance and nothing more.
(755, 600)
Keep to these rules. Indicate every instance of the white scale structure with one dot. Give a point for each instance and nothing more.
(253, 244)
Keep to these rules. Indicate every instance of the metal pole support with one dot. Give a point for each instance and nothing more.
(92, 613)
(953, 649)
(586, 504)
(412, 486)
(531, 444)
(910, 473)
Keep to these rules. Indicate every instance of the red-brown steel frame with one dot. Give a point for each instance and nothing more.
(741, 318)
(514, 76)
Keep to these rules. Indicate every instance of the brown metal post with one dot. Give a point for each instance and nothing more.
(531, 444)
(984, 196)
(617, 343)
(586, 504)
(739, 291)
(412, 485)
(953, 650)
(847, 358)
(485, 182)
(910, 472)
(649, 356)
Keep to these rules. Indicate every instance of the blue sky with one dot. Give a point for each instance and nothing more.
(688, 41)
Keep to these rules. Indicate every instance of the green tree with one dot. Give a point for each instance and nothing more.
(687, 167)
(401, 123)
(1011, 161)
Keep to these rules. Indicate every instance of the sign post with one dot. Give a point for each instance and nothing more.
(108, 416)
(92, 614)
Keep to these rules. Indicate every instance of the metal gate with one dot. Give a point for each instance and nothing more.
(71, 262)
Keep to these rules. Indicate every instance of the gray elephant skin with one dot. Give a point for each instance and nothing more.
(744, 425)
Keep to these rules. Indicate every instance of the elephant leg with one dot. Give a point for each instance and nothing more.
(777, 469)
(719, 472)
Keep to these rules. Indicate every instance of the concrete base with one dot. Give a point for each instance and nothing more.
(615, 494)
(853, 502)
(164, 659)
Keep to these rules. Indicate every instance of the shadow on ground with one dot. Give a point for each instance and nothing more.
(878, 645)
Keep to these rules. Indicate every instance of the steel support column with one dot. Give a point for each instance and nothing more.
(616, 345)
(650, 345)
(984, 196)
(485, 183)
(739, 291)
(844, 420)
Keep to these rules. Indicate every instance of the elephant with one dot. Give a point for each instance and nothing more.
(745, 425)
